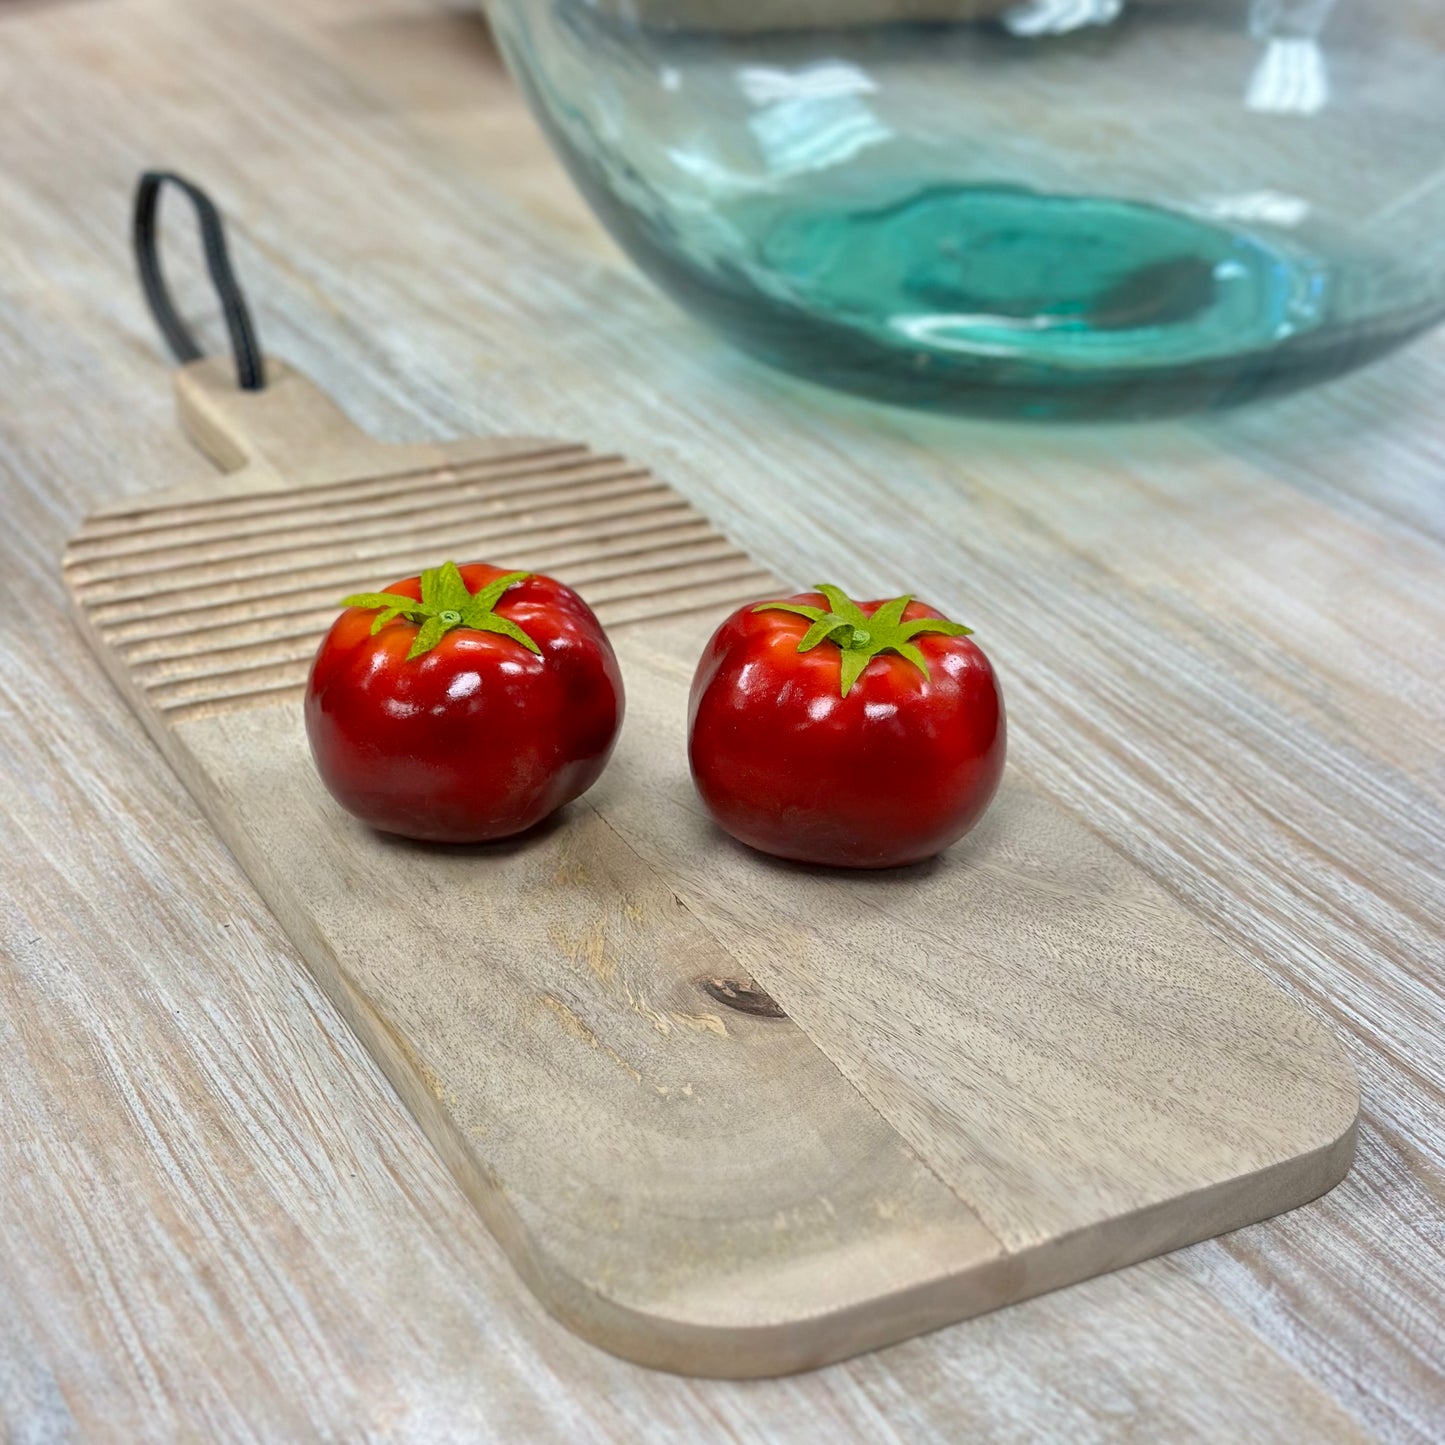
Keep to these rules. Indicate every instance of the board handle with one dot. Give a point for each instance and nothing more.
(289, 426)
(268, 421)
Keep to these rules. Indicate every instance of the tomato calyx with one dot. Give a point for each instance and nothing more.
(446, 602)
(860, 637)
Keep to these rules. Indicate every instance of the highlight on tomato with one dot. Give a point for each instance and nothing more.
(463, 705)
(853, 734)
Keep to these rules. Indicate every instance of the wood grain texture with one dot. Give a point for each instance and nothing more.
(216, 599)
(1083, 1077)
(1176, 609)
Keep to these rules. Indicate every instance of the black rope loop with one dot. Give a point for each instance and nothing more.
(250, 363)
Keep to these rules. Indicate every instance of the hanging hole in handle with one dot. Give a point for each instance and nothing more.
(250, 362)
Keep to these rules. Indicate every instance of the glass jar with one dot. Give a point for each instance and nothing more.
(1047, 208)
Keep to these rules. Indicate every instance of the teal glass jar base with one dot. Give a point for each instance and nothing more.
(1007, 302)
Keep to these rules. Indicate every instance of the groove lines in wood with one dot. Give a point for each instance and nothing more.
(219, 605)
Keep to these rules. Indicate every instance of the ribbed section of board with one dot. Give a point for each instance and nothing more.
(219, 604)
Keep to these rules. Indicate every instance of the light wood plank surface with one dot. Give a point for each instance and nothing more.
(1005, 1070)
(1222, 643)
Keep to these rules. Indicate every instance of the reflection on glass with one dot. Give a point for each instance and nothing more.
(1290, 78)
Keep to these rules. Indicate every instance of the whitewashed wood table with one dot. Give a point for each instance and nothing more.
(1223, 647)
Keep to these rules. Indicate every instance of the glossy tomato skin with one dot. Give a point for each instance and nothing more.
(891, 774)
(477, 739)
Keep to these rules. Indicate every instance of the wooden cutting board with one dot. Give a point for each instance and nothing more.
(728, 1116)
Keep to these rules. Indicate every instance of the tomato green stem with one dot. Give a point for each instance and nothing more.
(860, 637)
(446, 602)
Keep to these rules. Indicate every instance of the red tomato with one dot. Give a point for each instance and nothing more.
(464, 704)
(862, 735)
